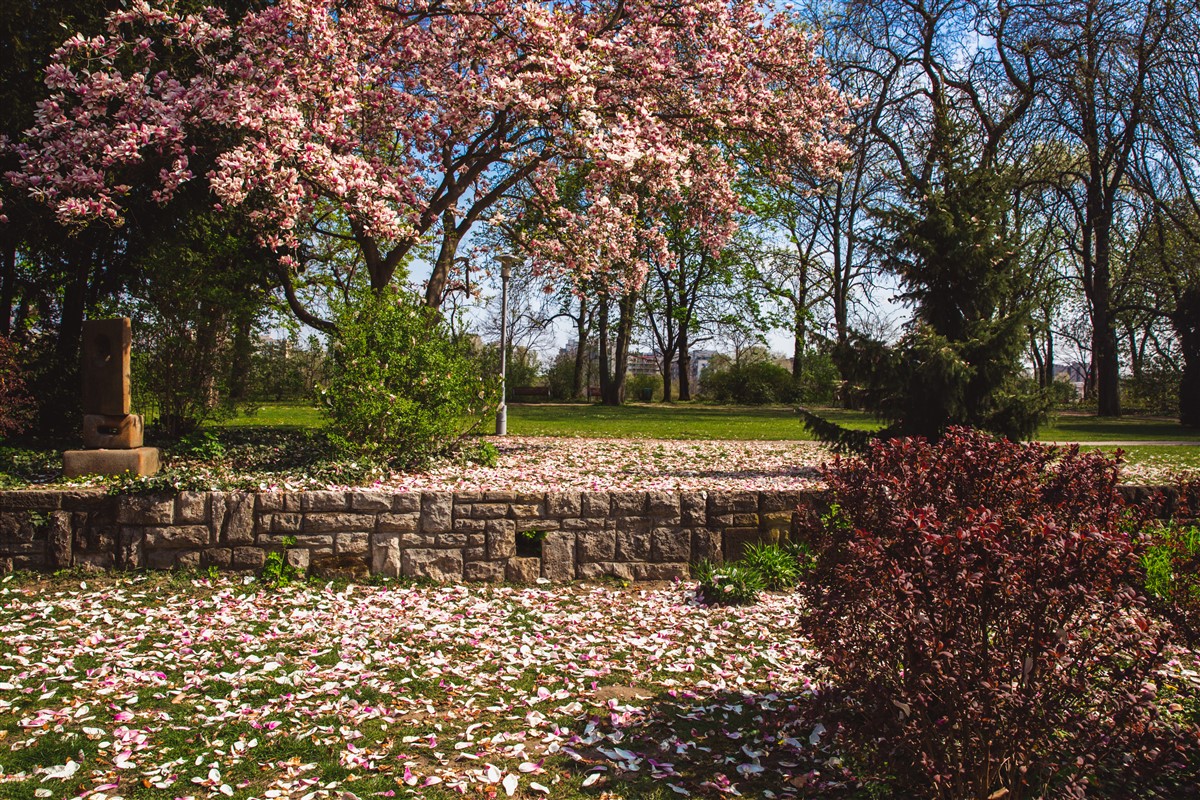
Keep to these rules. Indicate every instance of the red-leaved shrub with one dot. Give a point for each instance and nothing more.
(16, 406)
(974, 603)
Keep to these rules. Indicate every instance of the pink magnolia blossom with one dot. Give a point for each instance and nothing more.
(408, 122)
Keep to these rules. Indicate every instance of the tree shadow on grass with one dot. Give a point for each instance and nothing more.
(681, 743)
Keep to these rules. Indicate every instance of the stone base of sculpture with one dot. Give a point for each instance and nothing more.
(137, 461)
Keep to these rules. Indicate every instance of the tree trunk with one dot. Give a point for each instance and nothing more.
(615, 395)
(8, 286)
(578, 384)
(685, 365)
(1186, 321)
(435, 289)
(241, 355)
(602, 326)
(666, 376)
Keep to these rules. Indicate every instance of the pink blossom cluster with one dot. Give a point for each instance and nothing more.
(403, 120)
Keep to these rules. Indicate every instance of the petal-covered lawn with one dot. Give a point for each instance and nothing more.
(541, 463)
(164, 687)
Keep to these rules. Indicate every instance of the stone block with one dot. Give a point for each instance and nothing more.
(501, 539)
(475, 553)
(523, 570)
(397, 523)
(660, 572)
(779, 522)
(500, 497)
(442, 566)
(732, 503)
(706, 545)
(177, 537)
(633, 545)
(219, 557)
(160, 559)
(671, 544)
(483, 511)
(105, 347)
(662, 504)
(249, 557)
(352, 543)
(30, 500)
(563, 504)
(191, 508)
(453, 540)
(406, 502)
(485, 571)
(596, 546)
(693, 509)
(437, 512)
(297, 558)
(323, 501)
(581, 524)
(604, 569)
(131, 552)
(470, 526)
(85, 500)
(334, 523)
(595, 504)
(142, 461)
(628, 504)
(385, 556)
(284, 523)
(124, 432)
(558, 556)
(233, 517)
(525, 511)
(775, 502)
(331, 567)
(737, 539)
(187, 559)
(268, 502)
(59, 538)
(371, 502)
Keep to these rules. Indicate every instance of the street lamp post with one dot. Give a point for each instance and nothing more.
(506, 265)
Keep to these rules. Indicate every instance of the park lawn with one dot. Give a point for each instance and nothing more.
(1087, 428)
(678, 421)
(172, 685)
(696, 421)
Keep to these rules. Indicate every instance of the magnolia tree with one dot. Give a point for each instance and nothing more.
(399, 125)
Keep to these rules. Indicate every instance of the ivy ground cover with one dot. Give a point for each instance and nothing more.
(168, 687)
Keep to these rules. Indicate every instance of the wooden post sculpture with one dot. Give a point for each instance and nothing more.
(112, 436)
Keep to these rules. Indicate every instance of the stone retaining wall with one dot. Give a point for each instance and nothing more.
(490, 536)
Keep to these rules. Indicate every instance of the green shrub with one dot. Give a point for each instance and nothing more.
(1171, 561)
(402, 388)
(758, 383)
(16, 406)
(727, 584)
(776, 566)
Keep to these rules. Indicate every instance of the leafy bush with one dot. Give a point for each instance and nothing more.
(637, 385)
(757, 383)
(727, 584)
(16, 406)
(776, 566)
(1171, 561)
(973, 601)
(402, 388)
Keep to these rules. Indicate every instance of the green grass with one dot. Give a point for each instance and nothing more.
(680, 421)
(1086, 428)
(694, 421)
(276, 415)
